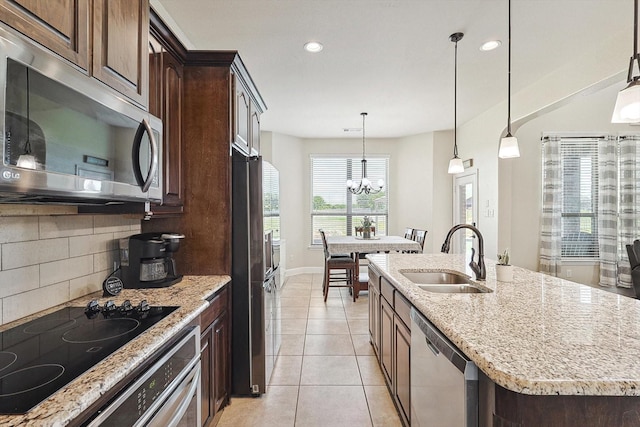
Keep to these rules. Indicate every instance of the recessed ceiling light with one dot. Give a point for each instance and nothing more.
(313, 47)
(490, 45)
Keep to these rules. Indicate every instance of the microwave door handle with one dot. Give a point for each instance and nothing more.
(153, 167)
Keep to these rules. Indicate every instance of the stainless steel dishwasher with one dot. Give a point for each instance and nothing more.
(444, 382)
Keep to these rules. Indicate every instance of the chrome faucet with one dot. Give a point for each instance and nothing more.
(478, 268)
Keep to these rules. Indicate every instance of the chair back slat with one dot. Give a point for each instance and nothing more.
(408, 233)
(419, 236)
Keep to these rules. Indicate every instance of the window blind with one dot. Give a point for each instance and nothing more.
(336, 210)
(580, 197)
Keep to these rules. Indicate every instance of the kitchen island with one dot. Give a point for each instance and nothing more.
(549, 349)
(72, 400)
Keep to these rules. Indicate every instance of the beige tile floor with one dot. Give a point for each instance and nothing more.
(326, 373)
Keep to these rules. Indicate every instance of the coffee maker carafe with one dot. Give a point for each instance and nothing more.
(146, 260)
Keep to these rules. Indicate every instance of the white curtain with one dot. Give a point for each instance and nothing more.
(629, 220)
(608, 211)
(551, 221)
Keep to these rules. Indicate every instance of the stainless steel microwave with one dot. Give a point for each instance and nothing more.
(67, 137)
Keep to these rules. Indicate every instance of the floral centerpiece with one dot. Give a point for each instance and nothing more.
(367, 223)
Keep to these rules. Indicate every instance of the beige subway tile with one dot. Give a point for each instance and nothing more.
(18, 229)
(65, 226)
(21, 254)
(19, 280)
(104, 261)
(67, 269)
(87, 284)
(26, 303)
(91, 244)
(113, 223)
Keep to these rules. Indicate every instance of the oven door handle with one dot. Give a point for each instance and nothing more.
(172, 411)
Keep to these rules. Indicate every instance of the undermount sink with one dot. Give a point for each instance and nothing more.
(443, 282)
(452, 289)
(436, 277)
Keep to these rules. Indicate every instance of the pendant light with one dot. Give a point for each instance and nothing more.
(455, 164)
(509, 143)
(27, 160)
(627, 109)
(364, 186)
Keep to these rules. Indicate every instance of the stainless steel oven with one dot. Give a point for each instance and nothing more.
(167, 394)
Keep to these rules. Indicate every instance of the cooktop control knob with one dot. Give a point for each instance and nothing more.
(109, 308)
(92, 309)
(126, 307)
(143, 308)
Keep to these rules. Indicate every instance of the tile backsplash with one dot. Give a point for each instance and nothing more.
(49, 260)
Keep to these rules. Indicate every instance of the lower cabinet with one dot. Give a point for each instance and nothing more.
(390, 336)
(386, 341)
(402, 372)
(215, 355)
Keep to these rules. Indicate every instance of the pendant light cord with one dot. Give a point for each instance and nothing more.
(363, 116)
(635, 35)
(455, 101)
(509, 78)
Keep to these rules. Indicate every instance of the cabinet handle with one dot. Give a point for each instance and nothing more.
(204, 347)
(432, 347)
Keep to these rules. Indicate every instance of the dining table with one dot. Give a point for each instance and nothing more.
(356, 245)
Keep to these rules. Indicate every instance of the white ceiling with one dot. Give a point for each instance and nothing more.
(391, 58)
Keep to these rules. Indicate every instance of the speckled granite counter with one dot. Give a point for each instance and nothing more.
(536, 335)
(62, 407)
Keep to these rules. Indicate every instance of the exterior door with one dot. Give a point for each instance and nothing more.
(465, 210)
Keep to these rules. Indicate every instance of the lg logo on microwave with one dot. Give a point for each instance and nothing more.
(10, 175)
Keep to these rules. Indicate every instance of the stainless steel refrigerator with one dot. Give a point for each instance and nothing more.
(247, 276)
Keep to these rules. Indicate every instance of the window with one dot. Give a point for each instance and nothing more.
(336, 210)
(579, 183)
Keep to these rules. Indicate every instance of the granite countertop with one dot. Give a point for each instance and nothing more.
(69, 402)
(536, 335)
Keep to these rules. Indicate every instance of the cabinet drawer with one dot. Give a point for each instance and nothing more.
(217, 305)
(403, 309)
(386, 289)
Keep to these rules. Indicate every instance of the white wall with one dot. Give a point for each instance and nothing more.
(479, 138)
(412, 180)
(589, 114)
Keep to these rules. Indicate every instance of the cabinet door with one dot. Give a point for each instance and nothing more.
(386, 340)
(255, 131)
(172, 95)
(221, 358)
(120, 46)
(156, 51)
(402, 373)
(60, 25)
(374, 319)
(241, 119)
(206, 382)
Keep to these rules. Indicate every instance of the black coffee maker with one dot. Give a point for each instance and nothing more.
(146, 260)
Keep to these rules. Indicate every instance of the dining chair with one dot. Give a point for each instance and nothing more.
(633, 251)
(338, 268)
(408, 233)
(419, 236)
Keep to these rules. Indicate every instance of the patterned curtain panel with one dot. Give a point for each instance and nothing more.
(628, 221)
(608, 212)
(550, 224)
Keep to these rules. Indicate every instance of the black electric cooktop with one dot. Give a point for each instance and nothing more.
(39, 357)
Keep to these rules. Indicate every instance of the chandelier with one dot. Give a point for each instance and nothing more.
(364, 186)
